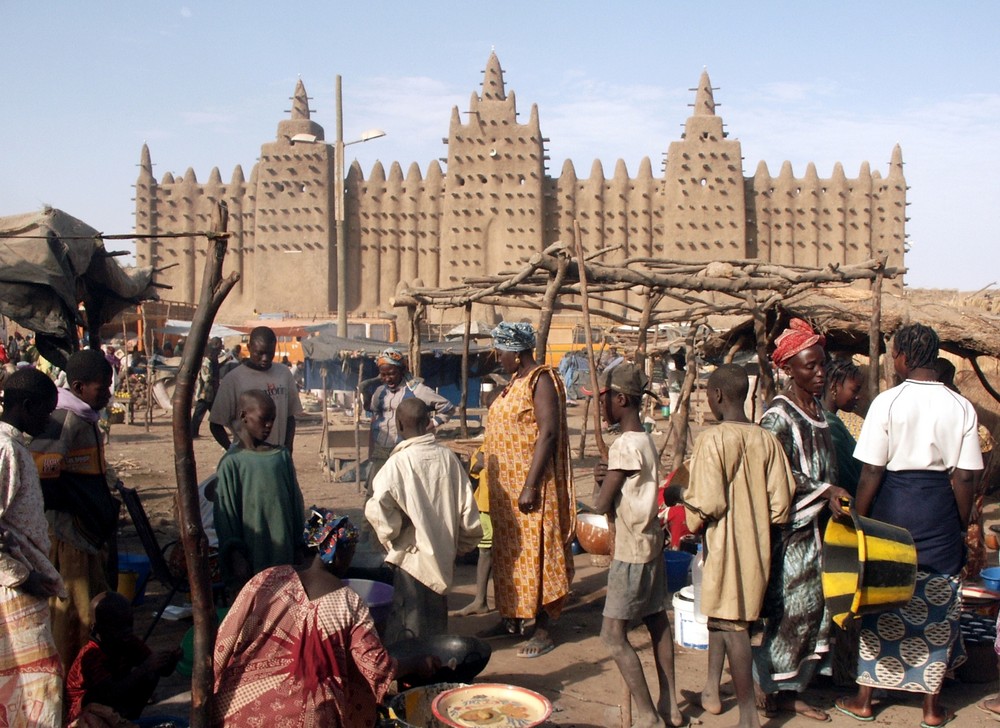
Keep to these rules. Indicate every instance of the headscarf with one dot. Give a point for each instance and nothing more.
(325, 531)
(799, 336)
(518, 336)
(392, 357)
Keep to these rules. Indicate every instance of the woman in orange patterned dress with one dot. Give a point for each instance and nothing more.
(532, 503)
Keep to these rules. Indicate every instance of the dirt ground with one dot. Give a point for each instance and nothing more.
(578, 676)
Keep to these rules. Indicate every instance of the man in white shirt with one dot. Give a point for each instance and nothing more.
(423, 512)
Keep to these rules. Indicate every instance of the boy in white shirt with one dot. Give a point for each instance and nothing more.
(636, 581)
(423, 512)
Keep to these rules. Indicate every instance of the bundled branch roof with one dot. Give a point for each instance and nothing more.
(844, 316)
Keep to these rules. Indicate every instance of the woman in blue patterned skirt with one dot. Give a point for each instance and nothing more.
(920, 449)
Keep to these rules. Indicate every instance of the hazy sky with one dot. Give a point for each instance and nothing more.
(83, 85)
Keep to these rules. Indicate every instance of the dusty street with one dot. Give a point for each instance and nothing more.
(578, 676)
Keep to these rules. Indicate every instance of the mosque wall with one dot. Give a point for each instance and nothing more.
(495, 204)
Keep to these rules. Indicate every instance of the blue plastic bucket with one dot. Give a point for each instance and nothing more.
(677, 564)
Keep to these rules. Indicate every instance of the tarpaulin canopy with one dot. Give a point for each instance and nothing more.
(50, 263)
(177, 327)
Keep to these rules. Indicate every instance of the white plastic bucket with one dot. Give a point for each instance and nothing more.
(688, 632)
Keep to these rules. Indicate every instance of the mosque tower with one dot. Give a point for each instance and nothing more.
(704, 200)
(492, 213)
(294, 251)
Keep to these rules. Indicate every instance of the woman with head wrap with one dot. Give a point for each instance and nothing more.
(796, 624)
(532, 503)
(382, 395)
(299, 648)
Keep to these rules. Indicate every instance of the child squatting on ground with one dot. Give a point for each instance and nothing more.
(637, 589)
(741, 484)
(115, 668)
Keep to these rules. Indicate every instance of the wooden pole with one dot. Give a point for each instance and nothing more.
(358, 401)
(414, 315)
(148, 343)
(214, 290)
(464, 401)
(647, 312)
(556, 280)
(602, 447)
(581, 451)
(684, 405)
(875, 330)
(325, 443)
(768, 388)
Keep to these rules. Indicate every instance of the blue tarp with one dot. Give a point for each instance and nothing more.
(440, 364)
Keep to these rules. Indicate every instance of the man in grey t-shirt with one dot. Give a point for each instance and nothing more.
(256, 372)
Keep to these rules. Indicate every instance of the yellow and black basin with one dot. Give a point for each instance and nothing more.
(868, 565)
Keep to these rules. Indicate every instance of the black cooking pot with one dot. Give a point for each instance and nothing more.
(462, 658)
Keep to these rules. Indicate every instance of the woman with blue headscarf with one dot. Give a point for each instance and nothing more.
(531, 491)
(299, 647)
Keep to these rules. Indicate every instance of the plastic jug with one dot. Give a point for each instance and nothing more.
(697, 572)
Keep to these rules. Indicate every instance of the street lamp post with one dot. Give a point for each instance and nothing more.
(340, 201)
(339, 214)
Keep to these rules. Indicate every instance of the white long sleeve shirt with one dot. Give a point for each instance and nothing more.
(423, 511)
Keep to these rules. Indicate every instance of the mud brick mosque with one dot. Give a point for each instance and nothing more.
(495, 204)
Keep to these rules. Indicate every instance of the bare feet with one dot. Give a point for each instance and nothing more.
(766, 704)
(705, 700)
(471, 609)
(793, 704)
(710, 702)
(671, 714)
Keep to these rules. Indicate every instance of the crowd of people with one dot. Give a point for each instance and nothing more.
(297, 642)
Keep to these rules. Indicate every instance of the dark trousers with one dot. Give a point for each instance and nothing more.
(417, 610)
(201, 408)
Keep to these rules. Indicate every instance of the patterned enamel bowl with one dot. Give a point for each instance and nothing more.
(593, 534)
(491, 705)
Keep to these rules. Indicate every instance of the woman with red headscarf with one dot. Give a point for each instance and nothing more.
(797, 626)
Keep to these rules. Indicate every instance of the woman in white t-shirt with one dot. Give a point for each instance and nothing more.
(920, 449)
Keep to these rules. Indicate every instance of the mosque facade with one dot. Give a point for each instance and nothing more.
(494, 205)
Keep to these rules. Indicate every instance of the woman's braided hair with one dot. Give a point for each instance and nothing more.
(838, 371)
(919, 344)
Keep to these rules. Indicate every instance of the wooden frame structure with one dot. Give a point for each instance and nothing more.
(553, 279)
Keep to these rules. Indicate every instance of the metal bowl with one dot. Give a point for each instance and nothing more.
(593, 534)
(462, 658)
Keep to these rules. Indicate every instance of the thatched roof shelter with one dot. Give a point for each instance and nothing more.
(844, 315)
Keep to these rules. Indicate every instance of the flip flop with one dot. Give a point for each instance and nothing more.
(540, 647)
(946, 721)
(992, 713)
(851, 714)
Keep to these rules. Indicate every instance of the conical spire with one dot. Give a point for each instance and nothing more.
(300, 101)
(493, 80)
(896, 163)
(146, 163)
(704, 102)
